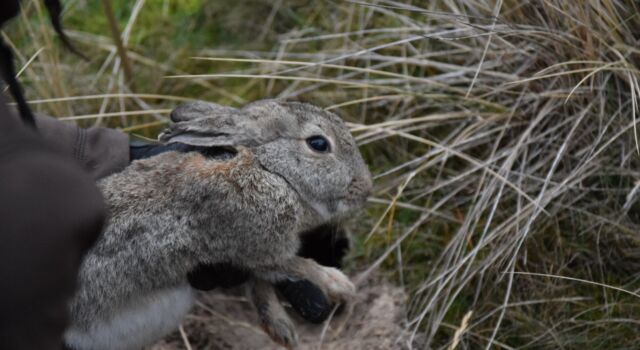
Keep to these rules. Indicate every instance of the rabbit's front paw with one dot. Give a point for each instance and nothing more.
(336, 284)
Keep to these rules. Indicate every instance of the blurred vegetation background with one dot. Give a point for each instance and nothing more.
(502, 135)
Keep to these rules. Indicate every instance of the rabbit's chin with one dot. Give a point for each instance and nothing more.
(347, 207)
(321, 211)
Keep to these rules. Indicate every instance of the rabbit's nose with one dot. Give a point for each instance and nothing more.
(366, 182)
(361, 186)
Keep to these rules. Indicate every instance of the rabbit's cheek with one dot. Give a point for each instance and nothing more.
(327, 181)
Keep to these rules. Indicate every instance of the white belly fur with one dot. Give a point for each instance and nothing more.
(141, 323)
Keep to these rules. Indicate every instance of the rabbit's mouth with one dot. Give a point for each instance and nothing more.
(355, 199)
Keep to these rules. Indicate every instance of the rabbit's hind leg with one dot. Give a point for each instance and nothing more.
(273, 317)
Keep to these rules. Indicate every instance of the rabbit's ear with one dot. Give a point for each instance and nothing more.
(198, 109)
(207, 124)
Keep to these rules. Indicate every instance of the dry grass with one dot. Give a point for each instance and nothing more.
(502, 134)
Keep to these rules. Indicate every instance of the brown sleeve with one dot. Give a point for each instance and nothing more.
(50, 213)
(100, 151)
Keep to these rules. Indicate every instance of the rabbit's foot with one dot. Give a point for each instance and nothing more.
(337, 285)
(281, 331)
(273, 317)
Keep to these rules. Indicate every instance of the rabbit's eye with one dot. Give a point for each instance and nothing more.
(319, 144)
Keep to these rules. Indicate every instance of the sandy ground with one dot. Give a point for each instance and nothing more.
(227, 321)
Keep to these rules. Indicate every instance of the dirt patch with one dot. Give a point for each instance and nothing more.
(227, 321)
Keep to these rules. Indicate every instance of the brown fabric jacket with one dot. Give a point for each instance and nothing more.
(50, 214)
(100, 151)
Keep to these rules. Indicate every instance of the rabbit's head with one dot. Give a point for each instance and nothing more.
(310, 148)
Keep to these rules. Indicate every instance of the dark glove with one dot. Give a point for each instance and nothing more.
(142, 150)
(210, 276)
(51, 212)
(327, 245)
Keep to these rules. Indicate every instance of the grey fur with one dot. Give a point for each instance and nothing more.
(173, 211)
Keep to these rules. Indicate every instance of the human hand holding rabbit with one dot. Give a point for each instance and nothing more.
(259, 177)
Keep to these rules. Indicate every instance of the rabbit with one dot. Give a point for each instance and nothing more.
(262, 175)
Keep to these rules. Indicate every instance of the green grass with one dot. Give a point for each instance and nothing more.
(527, 164)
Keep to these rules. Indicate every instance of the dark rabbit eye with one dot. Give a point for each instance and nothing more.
(319, 144)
